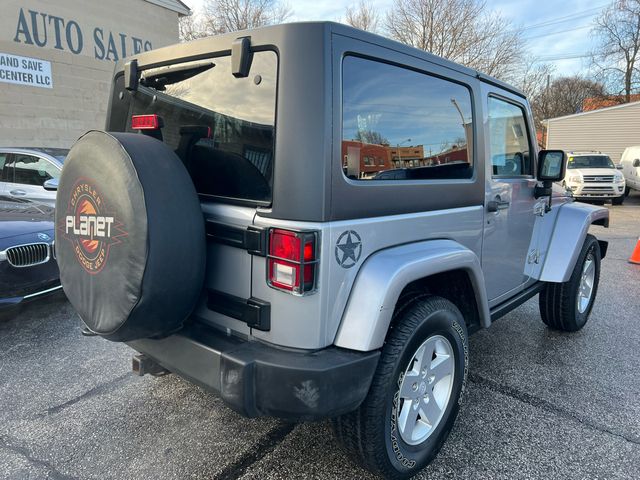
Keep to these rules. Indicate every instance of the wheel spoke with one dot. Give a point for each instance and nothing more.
(429, 410)
(427, 354)
(407, 419)
(441, 367)
(406, 389)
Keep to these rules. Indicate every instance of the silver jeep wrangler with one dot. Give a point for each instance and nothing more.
(309, 220)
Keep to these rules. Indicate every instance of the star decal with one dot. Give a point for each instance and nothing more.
(348, 249)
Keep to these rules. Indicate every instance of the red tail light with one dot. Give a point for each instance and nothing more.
(146, 122)
(292, 260)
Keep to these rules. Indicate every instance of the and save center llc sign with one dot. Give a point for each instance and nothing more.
(25, 71)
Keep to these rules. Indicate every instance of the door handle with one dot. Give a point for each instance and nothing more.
(495, 205)
(17, 193)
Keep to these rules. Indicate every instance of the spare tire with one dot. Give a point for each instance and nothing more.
(130, 238)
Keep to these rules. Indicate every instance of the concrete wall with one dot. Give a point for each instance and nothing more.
(609, 130)
(81, 71)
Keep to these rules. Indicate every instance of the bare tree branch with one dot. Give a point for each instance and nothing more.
(363, 16)
(222, 16)
(616, 57)
(461, 30)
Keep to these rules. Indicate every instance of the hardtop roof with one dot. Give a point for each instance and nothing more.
(338, 29)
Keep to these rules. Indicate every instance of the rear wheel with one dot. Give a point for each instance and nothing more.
(566, 306)
(414, 397)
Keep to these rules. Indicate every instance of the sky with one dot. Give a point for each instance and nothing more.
(554, 29)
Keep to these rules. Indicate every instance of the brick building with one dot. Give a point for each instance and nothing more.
(57, 59)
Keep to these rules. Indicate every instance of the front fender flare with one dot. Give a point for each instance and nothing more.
(384, 275)
(569, 232)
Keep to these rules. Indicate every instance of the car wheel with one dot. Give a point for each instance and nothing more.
(627, 191)
(566, 306)
(618, 200)
(415, 394)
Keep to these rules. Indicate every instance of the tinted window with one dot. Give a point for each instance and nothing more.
(222, 127)
(4, 174)
(31, 170)
(399, 124)
(590, 161)
(508, 139)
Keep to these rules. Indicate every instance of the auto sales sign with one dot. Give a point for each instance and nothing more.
(25, 71)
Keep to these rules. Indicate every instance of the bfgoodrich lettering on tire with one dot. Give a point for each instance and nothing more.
(415, 394)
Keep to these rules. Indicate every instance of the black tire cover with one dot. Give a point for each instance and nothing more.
(130, 239)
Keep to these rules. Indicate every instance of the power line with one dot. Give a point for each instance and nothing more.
(557, 32)
(574, 16)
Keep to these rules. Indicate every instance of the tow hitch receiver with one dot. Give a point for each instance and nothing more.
(142, 365)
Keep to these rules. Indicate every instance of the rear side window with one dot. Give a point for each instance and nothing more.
(222, 127)
(399, 124)
(32, 170)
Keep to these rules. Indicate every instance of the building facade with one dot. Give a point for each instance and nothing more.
(57, 60)
(608, 130)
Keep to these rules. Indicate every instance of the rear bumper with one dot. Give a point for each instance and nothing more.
(256, 379)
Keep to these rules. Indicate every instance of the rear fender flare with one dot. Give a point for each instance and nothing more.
(384, 275)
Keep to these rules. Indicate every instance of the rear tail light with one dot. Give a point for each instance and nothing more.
(292, 260)
(146, 122)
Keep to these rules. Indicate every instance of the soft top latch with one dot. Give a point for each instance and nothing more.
(241, 57)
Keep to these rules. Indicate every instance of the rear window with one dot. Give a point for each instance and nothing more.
(221, 127)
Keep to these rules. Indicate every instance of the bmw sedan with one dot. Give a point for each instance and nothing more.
(28, 268)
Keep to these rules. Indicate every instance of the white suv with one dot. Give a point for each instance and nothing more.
(593, 176)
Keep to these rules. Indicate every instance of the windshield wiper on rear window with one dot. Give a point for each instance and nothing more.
(160, 77)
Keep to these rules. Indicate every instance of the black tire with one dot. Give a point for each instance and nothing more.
(618, 200)
(370, 434)
(627, 191)
(559, 301)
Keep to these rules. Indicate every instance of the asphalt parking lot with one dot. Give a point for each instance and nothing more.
(540, 404)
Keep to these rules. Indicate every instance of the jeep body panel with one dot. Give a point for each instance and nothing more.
(324, 310)
(567, 234)
(382, 278)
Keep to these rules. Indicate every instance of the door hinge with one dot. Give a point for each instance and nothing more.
(534, 257)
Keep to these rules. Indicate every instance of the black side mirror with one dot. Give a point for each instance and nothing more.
(551, 168)
(551, 165)
(636, 163)
(51, 184)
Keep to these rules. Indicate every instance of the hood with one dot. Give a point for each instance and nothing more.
(19, 216)
(592, 171)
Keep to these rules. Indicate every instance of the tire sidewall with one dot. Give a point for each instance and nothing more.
(405, 458)
(590, 246)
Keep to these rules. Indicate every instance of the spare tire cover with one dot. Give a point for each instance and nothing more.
(130, 238)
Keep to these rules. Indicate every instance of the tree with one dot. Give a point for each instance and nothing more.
(190, 27)
(363, 16)
(370, 136)
(615, 59)
(222, 16)
(461, 30)
(565, 96)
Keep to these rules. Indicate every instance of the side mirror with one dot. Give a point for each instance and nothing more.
(619, 166)
(51, 184)
(551, 168)
(636, 163)
(551, 165)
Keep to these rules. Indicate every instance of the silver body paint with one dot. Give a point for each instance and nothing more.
(408, 229)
